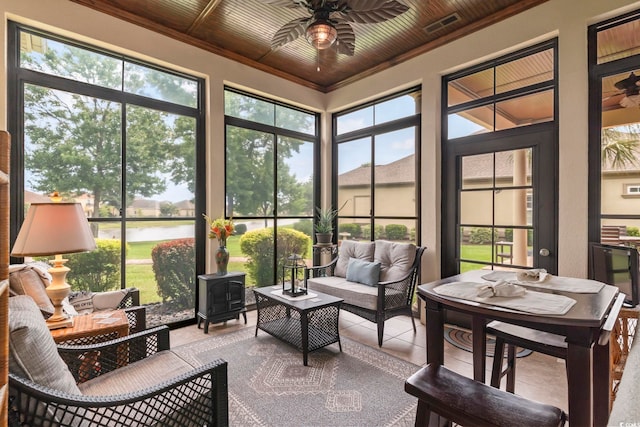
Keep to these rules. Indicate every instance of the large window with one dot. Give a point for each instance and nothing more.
(377, 157)
(614, 133)
(272, 151)
(500, 162)
(120, 137)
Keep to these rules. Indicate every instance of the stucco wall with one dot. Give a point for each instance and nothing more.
(566, 19)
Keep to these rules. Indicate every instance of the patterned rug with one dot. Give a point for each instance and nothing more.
(463, 340)
(269, 385)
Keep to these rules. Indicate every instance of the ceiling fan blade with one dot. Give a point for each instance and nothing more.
(373, 11)
(346, 43)
(613, 95)
(289, 32)
(285, 3)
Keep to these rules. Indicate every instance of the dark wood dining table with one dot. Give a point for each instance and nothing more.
(584, 325)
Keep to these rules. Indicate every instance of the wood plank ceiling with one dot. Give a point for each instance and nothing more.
(242, 30)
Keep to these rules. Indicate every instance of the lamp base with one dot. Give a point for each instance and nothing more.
(57, 291)
(66, 323)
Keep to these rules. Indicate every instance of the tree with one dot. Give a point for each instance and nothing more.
(73, 142)
(253, 157)
(619, 146)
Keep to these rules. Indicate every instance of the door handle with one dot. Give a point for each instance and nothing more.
(544, 252)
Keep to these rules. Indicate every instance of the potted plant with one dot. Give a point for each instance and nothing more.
(324, 224)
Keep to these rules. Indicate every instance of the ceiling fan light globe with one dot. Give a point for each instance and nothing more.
(321, 34)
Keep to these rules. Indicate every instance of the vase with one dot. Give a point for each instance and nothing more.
(222, 259)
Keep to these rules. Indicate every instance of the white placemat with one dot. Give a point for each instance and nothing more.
(530, 302)
(309, 295)
(558, 283)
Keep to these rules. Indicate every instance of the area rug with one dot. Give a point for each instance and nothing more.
(463, 340)
(269, 385)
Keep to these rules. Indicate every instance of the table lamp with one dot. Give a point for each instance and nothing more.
(55, 229)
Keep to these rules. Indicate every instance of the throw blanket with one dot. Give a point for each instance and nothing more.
(39, 267)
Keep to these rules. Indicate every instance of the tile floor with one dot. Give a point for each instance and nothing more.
(539, 377)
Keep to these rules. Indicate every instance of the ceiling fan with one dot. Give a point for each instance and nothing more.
(328, 22)
(630, 89)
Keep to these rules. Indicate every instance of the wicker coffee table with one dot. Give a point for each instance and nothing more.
(307, 322)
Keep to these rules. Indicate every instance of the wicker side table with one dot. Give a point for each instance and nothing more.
(92, 329)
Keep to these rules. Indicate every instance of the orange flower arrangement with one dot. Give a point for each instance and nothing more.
(220, 229)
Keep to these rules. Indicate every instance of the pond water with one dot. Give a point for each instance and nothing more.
(150, 234)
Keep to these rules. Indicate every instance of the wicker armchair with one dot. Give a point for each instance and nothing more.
(392, 298)
(130, 381)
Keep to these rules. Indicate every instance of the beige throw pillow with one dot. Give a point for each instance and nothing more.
(26, 281)
(395, 259)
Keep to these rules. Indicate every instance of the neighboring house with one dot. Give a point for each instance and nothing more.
(186, 208)
(144, 208)
(394, 182)
(621, 193)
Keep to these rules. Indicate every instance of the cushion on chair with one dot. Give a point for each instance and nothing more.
(352, 293)
(24, 279)
(32, 351)
(365, 272)
(395, 259)
(137, 376)
(108, 300)
(351, 249)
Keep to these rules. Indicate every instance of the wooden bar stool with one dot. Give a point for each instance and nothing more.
(517, 336)
(471, 403)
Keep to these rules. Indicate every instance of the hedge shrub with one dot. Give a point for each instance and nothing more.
(482, 236)
(240, 229)
(633, 231)
(354, 229)
(174, 269)
(378, 233)
(304, 226)
(97, 270)
(258, 245)
(396, 231)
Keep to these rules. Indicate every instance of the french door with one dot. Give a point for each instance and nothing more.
(500, 201)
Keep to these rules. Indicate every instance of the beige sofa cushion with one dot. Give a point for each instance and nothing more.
(395, 259)
(352, 249)
(351, 292)
(32, 352)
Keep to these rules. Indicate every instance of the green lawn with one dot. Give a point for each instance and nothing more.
(480, 253)
(141, 277)
(141, 250)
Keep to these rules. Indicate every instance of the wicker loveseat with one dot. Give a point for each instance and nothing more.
(376, 279)
(132, 381)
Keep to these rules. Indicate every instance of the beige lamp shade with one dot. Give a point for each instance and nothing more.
(52, 229)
